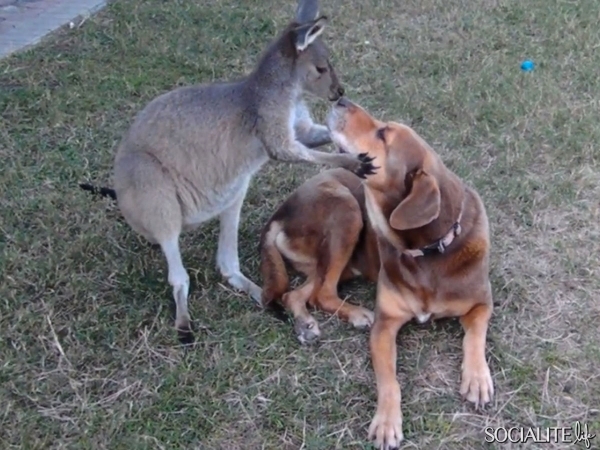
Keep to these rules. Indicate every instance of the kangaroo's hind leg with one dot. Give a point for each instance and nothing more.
(227, 250)
(180, 281)
(148, 200)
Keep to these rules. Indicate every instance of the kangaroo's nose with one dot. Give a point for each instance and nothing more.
(343, 102)
(341, 91)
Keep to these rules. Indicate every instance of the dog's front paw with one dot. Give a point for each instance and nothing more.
(386, 428)
(361, 317)
(307, 329)
(366, 166)
(477, 385)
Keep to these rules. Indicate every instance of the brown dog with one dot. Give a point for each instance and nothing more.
(413, 227)
(320, 230)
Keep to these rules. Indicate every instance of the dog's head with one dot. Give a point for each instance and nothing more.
(411, 179)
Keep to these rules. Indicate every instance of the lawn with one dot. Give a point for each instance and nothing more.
(88, 354)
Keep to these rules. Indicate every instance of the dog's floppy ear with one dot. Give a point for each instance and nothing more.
(420, 207)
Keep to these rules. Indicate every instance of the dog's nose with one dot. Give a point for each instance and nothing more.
(343, 102)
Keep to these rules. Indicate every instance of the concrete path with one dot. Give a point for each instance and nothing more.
(24, 23)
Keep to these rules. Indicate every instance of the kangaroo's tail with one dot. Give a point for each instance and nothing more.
(102, 191)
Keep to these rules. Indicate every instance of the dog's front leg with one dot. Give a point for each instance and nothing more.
(386, 426)
(477, 385)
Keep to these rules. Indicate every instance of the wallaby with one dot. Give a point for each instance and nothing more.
(191, 153)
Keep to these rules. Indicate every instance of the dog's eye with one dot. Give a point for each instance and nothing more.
(321, 69)
(381, 134)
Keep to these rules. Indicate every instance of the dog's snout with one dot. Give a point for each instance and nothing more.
(343, 102)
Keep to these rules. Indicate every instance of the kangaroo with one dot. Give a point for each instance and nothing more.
(190, 153)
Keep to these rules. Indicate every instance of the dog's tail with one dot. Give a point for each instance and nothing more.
(273, 270)
(102, 191)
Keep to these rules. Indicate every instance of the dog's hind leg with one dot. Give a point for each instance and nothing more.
(305, 326)
(227, 251)
(332, 264)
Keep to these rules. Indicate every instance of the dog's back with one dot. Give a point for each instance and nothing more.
(331, 200)
(320, 230)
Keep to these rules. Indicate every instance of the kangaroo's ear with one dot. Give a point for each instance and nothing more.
(307, 33)
(422, 205)
(307, 11)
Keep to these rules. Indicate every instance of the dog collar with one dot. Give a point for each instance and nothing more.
(440, 245)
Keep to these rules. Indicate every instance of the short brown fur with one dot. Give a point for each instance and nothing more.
(371, 229)
(317, 249)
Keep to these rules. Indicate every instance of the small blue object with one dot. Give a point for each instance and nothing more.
(527, 66)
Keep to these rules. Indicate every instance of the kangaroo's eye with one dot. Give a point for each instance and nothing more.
(321, 69)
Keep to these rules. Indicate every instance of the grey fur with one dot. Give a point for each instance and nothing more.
(190, 154)
(307, 11)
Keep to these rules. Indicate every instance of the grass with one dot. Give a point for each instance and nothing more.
(88, 354)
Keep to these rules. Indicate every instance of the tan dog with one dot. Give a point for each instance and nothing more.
(425, 242)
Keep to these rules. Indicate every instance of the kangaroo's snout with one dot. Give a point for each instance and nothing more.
(337, 93)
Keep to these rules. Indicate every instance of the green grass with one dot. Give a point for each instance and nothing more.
(88, 354)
